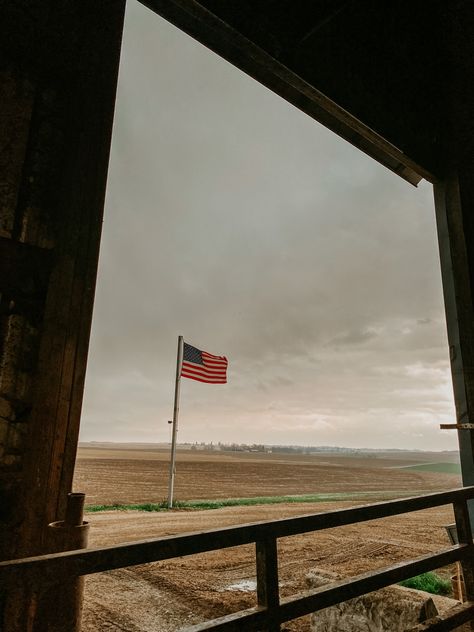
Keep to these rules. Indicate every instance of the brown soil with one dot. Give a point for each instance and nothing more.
(166, 596)
(127, 476)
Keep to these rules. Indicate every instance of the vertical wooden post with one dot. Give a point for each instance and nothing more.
(58, 77)
(75, 103)
(463, 526)
(59, 609)
(268, 595)
(75, 509)
(454, 201)
(456, 245)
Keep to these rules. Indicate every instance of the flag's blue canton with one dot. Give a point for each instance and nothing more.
(191, 354)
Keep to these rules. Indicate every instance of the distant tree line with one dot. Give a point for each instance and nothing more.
(286, 449)
(261, 447)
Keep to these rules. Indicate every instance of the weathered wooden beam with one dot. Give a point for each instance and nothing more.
(205, 26)
(456, 426)
(299, 605)
(268, 594)
(251, 619)
(326, 596)
(464, 533)
(454, 203)
(449, 620)
(46, 569)
(44, 572)
(58, 76)
(454, 246)
(51, 230)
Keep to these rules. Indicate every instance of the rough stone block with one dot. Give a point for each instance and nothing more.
(391, 609)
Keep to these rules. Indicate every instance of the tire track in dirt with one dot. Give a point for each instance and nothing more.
(129, 600)
(163, 600)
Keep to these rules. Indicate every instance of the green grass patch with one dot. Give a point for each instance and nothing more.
(429, 582)
(442, 468)
(191, 505)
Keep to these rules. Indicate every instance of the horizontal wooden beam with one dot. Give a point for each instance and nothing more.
(337, 592)
(251, 619)
(205, 26)
(293, 607)
(449, 620)
(49, 569)
(456, 426)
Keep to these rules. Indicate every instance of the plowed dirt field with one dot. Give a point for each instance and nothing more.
(166, 596)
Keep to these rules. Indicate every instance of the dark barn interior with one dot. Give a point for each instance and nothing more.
(395, 79)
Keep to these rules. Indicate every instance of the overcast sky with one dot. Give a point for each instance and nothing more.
(236, 220)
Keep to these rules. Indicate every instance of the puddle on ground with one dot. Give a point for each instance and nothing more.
(244, 585)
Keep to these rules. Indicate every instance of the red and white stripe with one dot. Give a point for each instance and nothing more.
(213, 371)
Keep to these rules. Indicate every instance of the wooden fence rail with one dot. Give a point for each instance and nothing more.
(45, 571)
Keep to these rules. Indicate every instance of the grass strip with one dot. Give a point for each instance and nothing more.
(195, 505)
(441, 468)
(429, 582)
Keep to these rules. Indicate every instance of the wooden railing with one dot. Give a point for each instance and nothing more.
(44, 571)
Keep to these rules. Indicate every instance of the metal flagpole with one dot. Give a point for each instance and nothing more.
(179, 362)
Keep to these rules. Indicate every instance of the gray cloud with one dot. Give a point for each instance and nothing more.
(236, 220)
(354, 337)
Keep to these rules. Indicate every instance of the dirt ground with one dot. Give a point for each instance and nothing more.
(140, 476)
(168, 596)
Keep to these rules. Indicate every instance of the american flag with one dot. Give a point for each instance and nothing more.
(202, 366)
